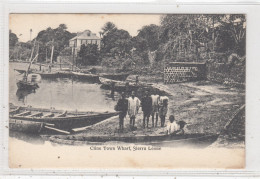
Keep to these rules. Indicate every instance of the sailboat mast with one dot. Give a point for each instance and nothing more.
(32, 50)
(37, 52)
(52, 49)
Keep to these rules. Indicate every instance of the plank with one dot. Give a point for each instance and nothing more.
(25, 113)
(57, 130)
(36, 114)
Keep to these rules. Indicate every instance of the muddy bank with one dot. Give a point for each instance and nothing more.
(205, 106)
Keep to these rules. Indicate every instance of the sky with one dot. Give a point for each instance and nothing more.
(20, 24)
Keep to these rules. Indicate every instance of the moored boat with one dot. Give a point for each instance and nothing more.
(115, 76)
(86, 76)
(95, 77)
(55, 74)
(63, 120)
(26, 85)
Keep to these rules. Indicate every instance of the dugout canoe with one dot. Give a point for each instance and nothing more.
(63, 120)
(201, 140)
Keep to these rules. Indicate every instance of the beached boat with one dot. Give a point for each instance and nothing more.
(63, 120)
(201, 140)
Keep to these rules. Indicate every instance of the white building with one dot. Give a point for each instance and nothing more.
(86, 37)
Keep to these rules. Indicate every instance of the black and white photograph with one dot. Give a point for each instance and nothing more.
(127, 90)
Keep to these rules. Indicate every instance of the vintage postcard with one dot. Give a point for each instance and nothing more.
(134, 91)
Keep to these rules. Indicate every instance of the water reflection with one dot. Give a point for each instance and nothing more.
(21, 94)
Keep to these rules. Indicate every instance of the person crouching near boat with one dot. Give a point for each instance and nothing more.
(174, 127)
(146, 104)
(155, 108)
(163, 108)
(133, 107)
(122, 106)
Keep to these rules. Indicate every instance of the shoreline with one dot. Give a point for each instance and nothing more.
(204, 105)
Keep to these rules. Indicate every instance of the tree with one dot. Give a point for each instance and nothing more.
(58, 37)
(235, 26)
(108, 27)
(116, 42)
(12, 39)
(150, 36)
(89, 54)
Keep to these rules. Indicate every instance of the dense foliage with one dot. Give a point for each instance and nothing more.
(179, 37)
(88, 55)
(115, 41)
(59, 38)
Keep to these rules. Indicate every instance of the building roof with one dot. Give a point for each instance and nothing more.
(86, 35)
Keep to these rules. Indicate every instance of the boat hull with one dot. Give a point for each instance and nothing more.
(199, 140)
(119, 77)
(25, 126)
(60, 120)
(69, 123)
(85, 76)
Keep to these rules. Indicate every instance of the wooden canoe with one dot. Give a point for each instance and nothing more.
(201, 140)
(64, 120)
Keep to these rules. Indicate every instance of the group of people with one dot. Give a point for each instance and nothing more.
(152, 105)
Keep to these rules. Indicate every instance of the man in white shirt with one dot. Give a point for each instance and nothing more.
(133, 107)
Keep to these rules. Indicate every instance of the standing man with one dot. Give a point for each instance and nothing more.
(122, 106)
(146, 103)
(133, 107)
(155, 108)
(163, 108)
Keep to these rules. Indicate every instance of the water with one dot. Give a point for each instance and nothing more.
(62, 94)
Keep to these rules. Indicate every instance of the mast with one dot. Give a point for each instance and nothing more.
(52, 49)
(32, 50)
(73, 54)
(37, 52)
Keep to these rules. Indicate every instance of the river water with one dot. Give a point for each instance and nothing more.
(62, 94)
